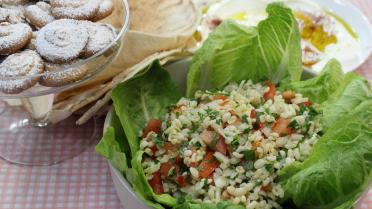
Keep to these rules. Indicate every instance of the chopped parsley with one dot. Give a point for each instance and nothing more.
(212, 113)
(218, 121)
(249, 155)
(197, 145)
(158, 141)
(269, 168)
(245, 118)
(235, 143)
(172, 172)
(249, 165)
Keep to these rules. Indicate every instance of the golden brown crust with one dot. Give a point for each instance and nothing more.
(106, 7)
(60, 75)
(72, 9)
(39, 14)
(14, 37)
(20, 71)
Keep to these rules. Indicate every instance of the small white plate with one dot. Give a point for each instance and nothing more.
(359, 23)
(348, 51)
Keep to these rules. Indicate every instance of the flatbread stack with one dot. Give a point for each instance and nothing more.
(159, 29)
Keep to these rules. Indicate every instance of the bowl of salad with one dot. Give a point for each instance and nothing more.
(241, 125)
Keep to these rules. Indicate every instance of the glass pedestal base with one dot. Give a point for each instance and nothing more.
(24, 143)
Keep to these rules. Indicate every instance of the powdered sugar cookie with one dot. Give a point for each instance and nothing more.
(13, 2)
(105, 9)
(13, 37)
(100, 36)
(62, 74)
(61, 41)
(31, 43)
(26, 63)
(75, 9)
(12, 16)
(39, 14)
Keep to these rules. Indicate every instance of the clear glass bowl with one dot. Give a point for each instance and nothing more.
(27, 137)
(119, 19)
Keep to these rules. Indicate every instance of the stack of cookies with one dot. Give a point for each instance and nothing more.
(45, 36)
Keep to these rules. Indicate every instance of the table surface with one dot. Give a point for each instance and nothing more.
(85, 181)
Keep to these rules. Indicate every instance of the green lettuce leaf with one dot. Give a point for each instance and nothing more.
(339, 167)
(222, 205)
(229, 54)
(143, 185)
(319, 88)
(352, 91)
(279, 44)
(142, 98)
(234, 52)
(110, 148)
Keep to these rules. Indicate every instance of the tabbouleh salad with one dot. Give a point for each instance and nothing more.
(229, 144)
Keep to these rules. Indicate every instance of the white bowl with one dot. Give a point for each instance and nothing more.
(128, 198)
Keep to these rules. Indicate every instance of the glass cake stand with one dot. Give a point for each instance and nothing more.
(27, 136)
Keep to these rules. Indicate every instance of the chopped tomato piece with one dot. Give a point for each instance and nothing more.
(271, 93)
(194, 164)
(281, 126)
(156, 183)
(261, 126)
(224, 102)
(288, 95)
(221, 146)
(238, 122)
(181, 181)
(307, 104)
(207, 136)
(179, 160)
(208, 165)
(153, 125)
(266, 188)
(154, 149)
(221, 97)
(164, 169)
(253, 114)
(170, 148)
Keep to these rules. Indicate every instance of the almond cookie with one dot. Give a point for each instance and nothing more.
(62, 74)
(13, 37)
(12, 16)
(75, 9)
(39, 14)
(105, 9)
(100, 36)
(26, 63)
(61, 41)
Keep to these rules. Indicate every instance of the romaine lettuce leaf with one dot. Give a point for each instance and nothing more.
(136, 101)
(229, 54)
(352, 91)
(279, 45)
(142, 98)
(222, 205)
(144, 186)
(319, 88)
(272, 50)
(109, 148)
(340, 166)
